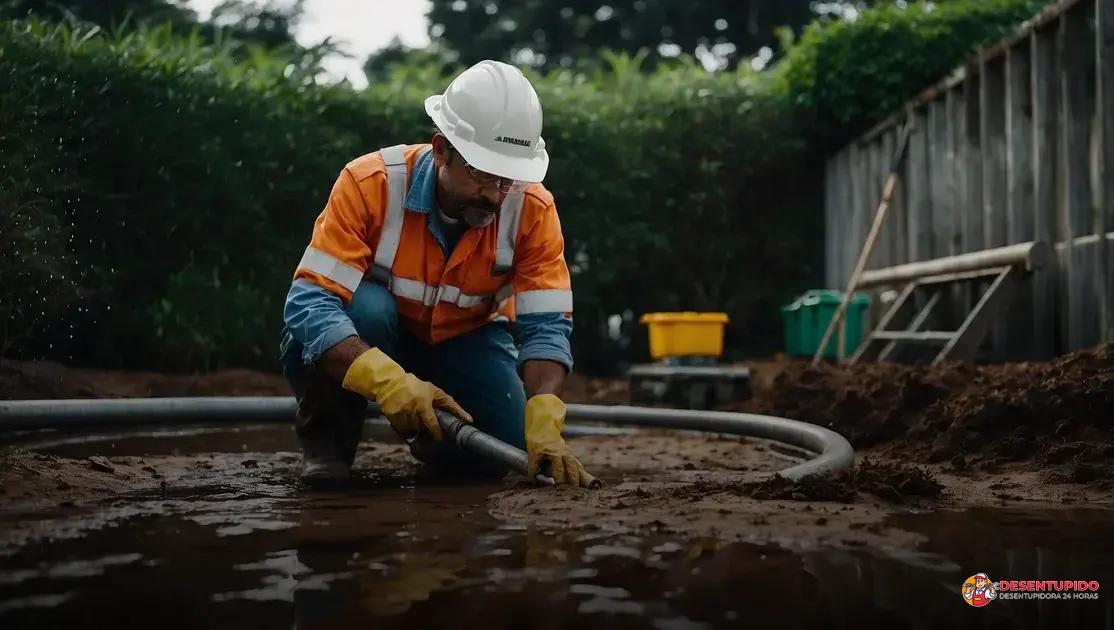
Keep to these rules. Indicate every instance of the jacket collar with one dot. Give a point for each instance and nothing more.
(421, 195)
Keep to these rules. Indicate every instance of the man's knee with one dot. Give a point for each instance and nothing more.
(373, 312)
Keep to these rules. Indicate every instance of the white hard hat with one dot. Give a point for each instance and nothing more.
(492, 116)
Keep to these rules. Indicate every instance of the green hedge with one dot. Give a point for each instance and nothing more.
(185, 182)
(844, 76)
(165, 193)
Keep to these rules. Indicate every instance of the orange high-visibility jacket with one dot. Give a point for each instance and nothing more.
(365, 233)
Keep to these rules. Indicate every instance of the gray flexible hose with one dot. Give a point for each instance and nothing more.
(834, 451)
(63, 414)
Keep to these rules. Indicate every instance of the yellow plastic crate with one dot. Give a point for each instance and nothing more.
(685, 334)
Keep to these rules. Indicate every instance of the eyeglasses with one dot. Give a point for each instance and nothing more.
(483, 178)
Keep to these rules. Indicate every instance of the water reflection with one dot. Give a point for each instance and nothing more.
(401, 551)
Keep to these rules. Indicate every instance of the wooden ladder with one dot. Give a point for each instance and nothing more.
(923, 301)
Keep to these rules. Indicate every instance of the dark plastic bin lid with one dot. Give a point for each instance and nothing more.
(824, 296)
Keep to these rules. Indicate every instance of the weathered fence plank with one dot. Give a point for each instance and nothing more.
(1046, 125)
(889, 227)
(853, 196)
(830, 211)
(1019, 153)
(839, 207)
(940, 178)
(919, 202)
(957, 128)
(873, 155)
(1077, 210)
(1104, 49)
(907, 189)
(883, 258)
(858, 232)
(1019, 184)
(993, 128)
(972, 231)
(958, 304)
(845, 243)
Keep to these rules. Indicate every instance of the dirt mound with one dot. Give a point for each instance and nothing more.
(869, 403)
(895, 483)
(1059, 415)
(1017, 412)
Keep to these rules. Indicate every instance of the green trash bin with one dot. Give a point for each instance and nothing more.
(807, 317)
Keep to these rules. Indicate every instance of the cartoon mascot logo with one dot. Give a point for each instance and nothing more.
(978, 590)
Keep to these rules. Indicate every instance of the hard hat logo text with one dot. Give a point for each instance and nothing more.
(509, 140)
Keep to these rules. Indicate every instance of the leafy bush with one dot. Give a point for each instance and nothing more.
(844, 76)
(169, 157)
(170, 187)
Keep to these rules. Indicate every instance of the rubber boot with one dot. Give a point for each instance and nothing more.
(329, 428)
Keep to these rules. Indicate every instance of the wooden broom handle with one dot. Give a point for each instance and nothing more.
(868, 246)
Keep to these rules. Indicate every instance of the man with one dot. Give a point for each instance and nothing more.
(982, 593)
(422, 258)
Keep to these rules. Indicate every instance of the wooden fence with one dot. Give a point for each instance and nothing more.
(1015, 146)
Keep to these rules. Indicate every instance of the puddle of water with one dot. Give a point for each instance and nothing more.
(124, 441)
(413, 553)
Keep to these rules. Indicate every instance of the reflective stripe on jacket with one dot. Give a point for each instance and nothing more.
(365, 232)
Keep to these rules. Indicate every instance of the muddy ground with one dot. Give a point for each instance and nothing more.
(946, 437)
(952, 436)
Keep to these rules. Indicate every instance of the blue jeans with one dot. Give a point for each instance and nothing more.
(478, 369)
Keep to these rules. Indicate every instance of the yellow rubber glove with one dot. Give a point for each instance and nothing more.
(545, 417)
(405, 399)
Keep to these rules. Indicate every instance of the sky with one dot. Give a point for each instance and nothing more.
(362, 26)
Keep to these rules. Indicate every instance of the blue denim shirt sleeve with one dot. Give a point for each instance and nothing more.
(544, 336)
(316, 319)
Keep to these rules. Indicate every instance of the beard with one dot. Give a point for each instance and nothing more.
(477, 212)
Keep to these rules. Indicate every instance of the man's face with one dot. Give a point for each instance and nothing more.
(461, 194)
(980, 582)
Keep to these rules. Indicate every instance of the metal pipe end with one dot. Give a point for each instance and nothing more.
(594, 483)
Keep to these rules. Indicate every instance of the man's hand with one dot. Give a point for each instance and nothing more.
(545, 417)
(406, 400)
